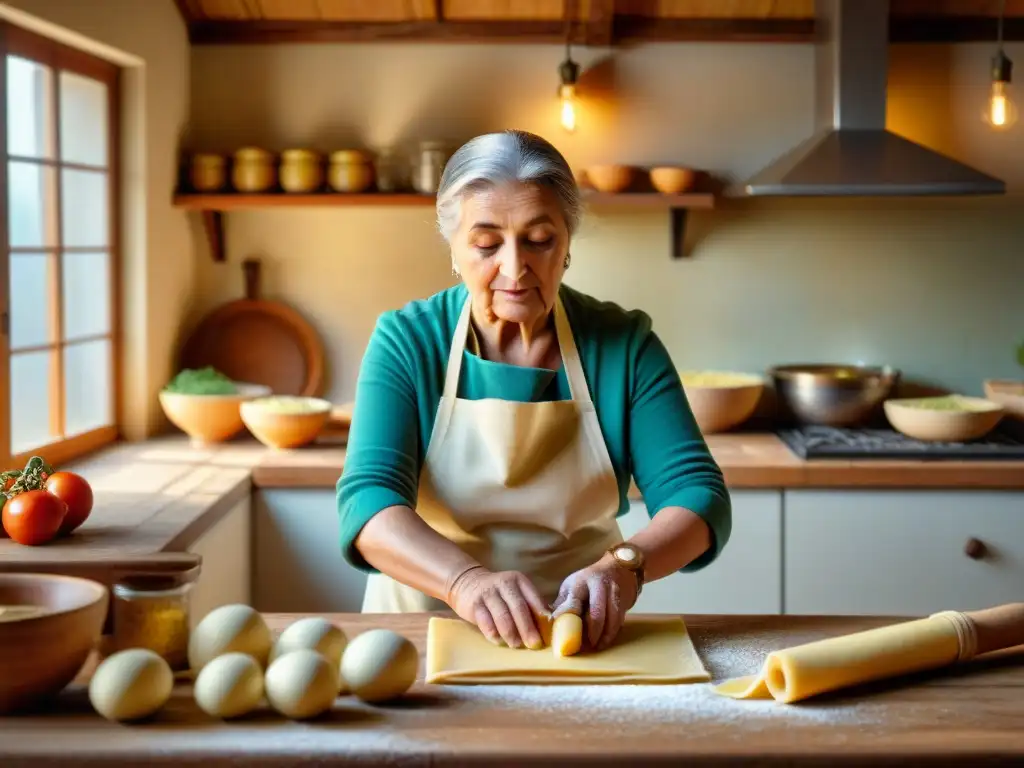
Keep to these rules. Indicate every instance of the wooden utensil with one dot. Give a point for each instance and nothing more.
(943, 639)
(256, 341)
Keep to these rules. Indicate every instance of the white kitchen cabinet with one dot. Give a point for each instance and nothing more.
(298, 565)
(747, 576)
(226, 572)
(901, 552)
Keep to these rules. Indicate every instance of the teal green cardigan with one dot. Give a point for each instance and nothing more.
(646, 420)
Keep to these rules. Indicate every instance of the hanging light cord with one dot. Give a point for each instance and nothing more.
(570, 13)
(999, 28)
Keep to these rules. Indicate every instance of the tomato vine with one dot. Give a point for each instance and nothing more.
(31, 478)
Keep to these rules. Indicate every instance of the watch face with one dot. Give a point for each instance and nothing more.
(626, 555)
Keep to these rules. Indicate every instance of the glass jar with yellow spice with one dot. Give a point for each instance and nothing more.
(253, 170)
(153, 611)
(350, 171)
(208, 172)
(301, 171)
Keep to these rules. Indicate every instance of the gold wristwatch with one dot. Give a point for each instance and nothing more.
(630, 557)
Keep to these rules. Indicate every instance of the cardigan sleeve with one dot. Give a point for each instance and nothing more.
(671, 462)
(382, 459)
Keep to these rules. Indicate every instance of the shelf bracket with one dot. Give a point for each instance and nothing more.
(679, 216)
(213, 225)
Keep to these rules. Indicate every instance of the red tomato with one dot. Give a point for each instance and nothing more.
(34, 517)
(74, 491)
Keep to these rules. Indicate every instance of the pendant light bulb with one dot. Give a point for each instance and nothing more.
(569, 72)
(1000, 111)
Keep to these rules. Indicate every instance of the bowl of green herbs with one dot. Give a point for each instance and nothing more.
(206, 405)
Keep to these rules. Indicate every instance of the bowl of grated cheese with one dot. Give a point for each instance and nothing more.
(285, 421)
(721, 400)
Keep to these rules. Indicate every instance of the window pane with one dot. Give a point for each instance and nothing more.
(29, 131)
(83, 120)
(87, 387)
(31, 195)
(84, 208)
(30, 306)
(30, 401)
(86, 292)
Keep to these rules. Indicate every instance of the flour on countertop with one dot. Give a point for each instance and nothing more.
(650, 704)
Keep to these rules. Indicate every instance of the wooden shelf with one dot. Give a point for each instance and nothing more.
(212, 207)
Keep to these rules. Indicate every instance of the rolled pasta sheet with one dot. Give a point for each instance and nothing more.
(567, 634)
(798, 673)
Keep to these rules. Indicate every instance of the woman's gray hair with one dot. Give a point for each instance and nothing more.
(497, 158)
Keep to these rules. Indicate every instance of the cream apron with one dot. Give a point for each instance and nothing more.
(518, 486)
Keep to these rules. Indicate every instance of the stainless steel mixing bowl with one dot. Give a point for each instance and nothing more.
(830, 394)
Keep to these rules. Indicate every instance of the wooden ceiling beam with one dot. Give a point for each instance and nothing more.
(600, 28)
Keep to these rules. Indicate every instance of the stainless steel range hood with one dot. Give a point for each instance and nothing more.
(851, 152)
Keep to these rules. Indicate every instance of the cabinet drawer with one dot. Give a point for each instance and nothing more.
(746, 577)
(901, 552)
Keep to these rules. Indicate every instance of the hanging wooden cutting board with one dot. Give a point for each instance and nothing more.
(259, 342)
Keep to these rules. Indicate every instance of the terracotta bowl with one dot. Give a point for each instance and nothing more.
(721, 401)
(209, 418)
(922, 419)
(672, 180)
(610, 178)
(284, 429)
(48, 627)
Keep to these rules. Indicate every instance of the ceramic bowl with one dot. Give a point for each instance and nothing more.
(209, 418)
(672, 180)
(610, 178)
(286, 422)
(721, 401)
(947, 419)
(1008, 393)
(48, 627)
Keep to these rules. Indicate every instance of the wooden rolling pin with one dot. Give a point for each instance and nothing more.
(940, 640)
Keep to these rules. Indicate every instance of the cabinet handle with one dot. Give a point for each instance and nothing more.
(975, 549)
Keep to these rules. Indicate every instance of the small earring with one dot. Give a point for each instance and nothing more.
(456, 272)
(568, 259)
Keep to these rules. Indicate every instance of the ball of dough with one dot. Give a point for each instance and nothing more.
(314, 633)
(229, 686)
(379, 665)
(131, 684)
(301, 684)
(229, 628)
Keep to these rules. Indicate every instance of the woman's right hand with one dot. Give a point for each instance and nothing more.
(503, 605)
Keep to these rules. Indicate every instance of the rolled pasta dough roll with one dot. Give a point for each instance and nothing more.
(567, 634)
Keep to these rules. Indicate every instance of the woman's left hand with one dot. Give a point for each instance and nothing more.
(601, 595)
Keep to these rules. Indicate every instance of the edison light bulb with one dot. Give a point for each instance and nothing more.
(567, 95)
(1001, 112)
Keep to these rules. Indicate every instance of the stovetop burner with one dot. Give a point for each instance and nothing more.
(813, 442)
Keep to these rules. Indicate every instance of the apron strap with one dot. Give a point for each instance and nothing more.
(578, 389)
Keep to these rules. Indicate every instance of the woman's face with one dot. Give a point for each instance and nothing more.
(510, 250)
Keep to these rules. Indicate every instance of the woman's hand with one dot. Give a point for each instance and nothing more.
(601, 595)
(502, 605)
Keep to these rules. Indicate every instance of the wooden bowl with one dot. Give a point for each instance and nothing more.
(720, 400)
(52, 624)
(672, 180)
(286, 429)
(209, 418)
(610, 178)
(946, 419)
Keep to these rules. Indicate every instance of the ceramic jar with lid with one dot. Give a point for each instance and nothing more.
(154, 611)
(350, 171)
(300, 171)
(253, 170)
(429, 165)
(208, 172)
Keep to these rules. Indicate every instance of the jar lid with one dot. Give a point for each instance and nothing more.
(300, 154)
(154, 582)
(208, 158)
(252, 153)
(349, 156)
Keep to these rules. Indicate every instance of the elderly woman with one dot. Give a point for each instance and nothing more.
(497, 424)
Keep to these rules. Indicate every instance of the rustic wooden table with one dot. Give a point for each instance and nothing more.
(972, 715)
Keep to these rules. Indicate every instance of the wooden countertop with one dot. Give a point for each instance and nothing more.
(155, 499)
(970, 715)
